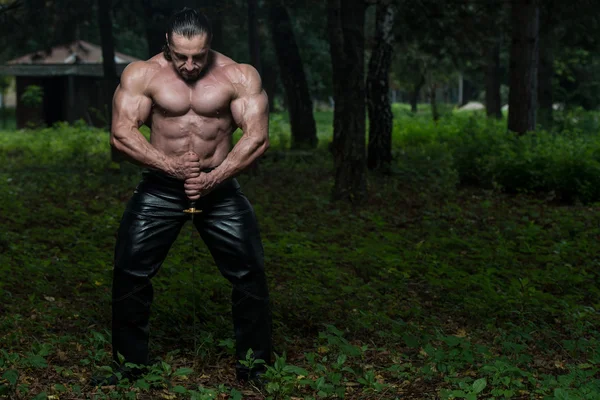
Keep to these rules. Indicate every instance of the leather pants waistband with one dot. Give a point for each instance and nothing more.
(158, 182)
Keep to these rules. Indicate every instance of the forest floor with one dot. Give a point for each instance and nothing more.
(421, 293)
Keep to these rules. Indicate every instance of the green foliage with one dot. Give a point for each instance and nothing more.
(483, 153)
(431, 288)
(33, 96)
(5, 82)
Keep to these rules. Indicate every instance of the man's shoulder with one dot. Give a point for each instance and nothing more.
(239, 73)
(140, 72)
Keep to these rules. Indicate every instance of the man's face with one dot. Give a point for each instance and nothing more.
(189, 56)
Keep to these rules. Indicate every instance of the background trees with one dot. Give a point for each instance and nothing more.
(357, 56)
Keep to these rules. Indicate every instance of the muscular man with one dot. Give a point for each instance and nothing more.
(193, 99)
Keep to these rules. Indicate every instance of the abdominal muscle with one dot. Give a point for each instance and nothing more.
(209, 137)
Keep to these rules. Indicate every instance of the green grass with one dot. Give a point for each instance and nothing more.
(433, 289)
(7, 119)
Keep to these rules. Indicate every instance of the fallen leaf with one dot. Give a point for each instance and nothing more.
(62, 356)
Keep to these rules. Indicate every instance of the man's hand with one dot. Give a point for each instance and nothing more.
(185, 166)
(200, 185)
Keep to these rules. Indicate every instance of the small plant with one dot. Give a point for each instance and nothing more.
(33, 96)
(250, 362)
(284, 379)
(467, 391)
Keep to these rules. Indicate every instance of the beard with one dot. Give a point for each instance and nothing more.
(190, 77)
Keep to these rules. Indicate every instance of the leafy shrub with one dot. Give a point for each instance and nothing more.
(566, 165)
(33, 96)
(484, 153)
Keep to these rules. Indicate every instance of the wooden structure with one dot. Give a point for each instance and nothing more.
(71, 78)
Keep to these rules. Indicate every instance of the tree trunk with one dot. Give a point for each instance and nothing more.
(433, 102)
(493, 100)
(157, 13)
(522, 100)
(349, 155)
(467, 94)
(378, 90)
(253, 39)
(3, 107)
(211, 9)
(270, 83)
(110, 79)
(156, 26)
(414, 95)
(106, 38)
(336, 49)
(302, 121)
(461, 88)
(545, 76)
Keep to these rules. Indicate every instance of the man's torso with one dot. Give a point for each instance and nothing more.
(192, 116)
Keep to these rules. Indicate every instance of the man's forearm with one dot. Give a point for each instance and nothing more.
(137, 149)
(247, 150)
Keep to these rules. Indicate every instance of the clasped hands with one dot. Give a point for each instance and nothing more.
(197, 183)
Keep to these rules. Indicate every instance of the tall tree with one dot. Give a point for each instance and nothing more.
(436, 39)
(546, 75)
(109, 81)
(522, 99)
(253, 38)
(107, 40)
(156, 15)
(433, 100)
(214, 12)
(378, 88)
(493, 100)
(302, 122)
(336, 49)
(547, 45)
(346, 24)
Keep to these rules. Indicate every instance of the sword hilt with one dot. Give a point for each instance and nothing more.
(192, 209)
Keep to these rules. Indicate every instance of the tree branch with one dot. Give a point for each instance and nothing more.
(4, 8)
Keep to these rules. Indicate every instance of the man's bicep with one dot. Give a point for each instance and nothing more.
(251, 112)
(130, 108)
(250, 107)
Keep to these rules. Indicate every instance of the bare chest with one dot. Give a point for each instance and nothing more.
(207, 97)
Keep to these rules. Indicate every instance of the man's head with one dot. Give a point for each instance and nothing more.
(188, 43)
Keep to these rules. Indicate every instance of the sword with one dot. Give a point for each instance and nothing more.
(193, 210)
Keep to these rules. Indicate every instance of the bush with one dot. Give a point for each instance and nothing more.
(483, 152)
(566, 165)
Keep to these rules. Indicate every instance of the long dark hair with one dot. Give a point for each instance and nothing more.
(188, 23)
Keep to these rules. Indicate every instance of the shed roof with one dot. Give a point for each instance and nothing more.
(77, 52)
(76, 58)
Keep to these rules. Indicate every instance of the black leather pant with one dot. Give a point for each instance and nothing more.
(151, 222)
